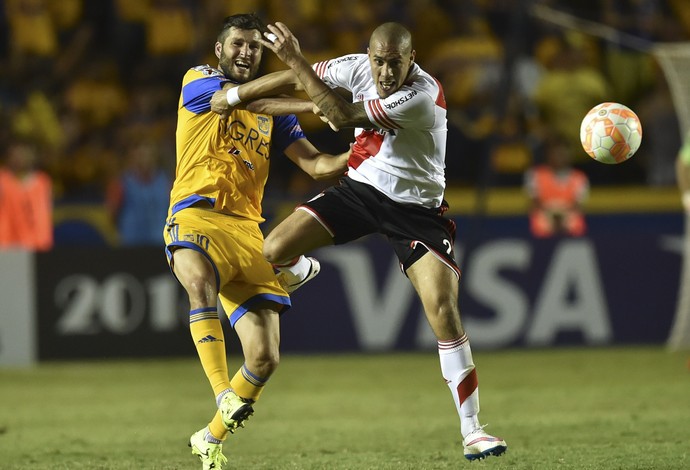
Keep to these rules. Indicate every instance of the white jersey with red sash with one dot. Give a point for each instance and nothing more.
(403, 153)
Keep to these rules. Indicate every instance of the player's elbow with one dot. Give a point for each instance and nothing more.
(343, 115)
(341, 119)
(321, 175)
(325, 177)
(329, 167)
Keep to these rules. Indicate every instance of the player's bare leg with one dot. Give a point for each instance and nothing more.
(285, 246)
(437, 287)
(259, 334)
(197, 276)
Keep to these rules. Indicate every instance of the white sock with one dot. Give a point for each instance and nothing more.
(458, 371)
(296, 271)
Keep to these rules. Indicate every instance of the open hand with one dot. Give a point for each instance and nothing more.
(282, 42)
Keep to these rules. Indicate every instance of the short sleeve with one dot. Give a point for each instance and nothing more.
(407, 108)
(197, 92)
(338, 73)
(286, 130)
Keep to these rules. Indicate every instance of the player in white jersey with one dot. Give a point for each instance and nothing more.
(401, 152)
(394, 186)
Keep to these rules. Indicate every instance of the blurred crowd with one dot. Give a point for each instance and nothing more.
(93, 85)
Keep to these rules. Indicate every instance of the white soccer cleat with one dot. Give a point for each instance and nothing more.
(291, 282)
(211, 455)
(479, 445)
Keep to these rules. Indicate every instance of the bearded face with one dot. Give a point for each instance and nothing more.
(240, 55)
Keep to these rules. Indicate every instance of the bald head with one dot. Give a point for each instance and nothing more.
(390, 57)
(392, 35)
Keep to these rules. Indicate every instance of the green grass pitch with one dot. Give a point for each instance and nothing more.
(609, 408)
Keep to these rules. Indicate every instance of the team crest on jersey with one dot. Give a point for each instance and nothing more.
(207, 70)
(264, 124)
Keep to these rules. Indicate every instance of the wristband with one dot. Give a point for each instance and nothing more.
(233, 96)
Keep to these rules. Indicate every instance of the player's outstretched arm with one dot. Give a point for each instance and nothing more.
(280, 106)
(318, 165)
(271, 85)
(338, 111)
(275, 106)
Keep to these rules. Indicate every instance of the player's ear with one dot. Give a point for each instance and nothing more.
(413, 53)
(219, 48)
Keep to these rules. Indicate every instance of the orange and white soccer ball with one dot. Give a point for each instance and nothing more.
(611, 133)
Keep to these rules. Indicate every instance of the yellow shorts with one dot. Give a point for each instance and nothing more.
(234, 248)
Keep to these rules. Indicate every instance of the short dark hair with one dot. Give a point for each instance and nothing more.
(241, 21)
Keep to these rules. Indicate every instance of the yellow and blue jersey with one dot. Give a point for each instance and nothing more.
(224, 162)
(215, 202)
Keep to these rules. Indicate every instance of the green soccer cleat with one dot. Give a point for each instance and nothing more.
(211, 455)
(234, 411)
(479, 445)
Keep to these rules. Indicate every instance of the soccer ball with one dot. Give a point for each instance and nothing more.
(611, 133)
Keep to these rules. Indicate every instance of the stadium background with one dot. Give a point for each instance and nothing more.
(568, 334)
(89, 81)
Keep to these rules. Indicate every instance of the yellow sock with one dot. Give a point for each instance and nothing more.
(207, 333)
(217, 428)
(247, 385)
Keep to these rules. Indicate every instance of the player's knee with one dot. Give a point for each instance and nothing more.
(201, 290)
(270, 362)
(264, 362)
(272, 251)
(444, 319)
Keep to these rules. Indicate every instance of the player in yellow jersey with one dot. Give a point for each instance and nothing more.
(212, 235)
